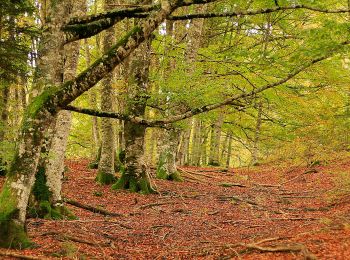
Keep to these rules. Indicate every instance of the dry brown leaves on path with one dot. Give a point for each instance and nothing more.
(259, 213)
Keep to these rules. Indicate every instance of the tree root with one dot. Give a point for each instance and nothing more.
(298, 176)
(73, 239)
(190, 177)
(92, 209)
(156, 204)
(282, 248)
(238, 199)
(19, 256)
(198, 173)
(230, 184)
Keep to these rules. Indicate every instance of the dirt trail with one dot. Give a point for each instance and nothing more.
(242, 214)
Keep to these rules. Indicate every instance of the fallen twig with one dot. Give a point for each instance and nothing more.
(92, 209)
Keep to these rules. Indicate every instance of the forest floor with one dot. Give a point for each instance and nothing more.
(265, 212)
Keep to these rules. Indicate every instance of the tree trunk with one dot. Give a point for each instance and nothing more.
(196, 142)
(184, 147)
(166, 168)
(169, 138)
(229, 151)
(20, 179)
(92, 103)
(105, 172)
(214, 159)
(4, 97)
(255, 151)
(136, 177)
(47, 201)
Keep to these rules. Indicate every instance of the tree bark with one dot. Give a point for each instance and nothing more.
(4, 97)
(166, 168)
(105, 172)
(47, 201)
(214, 159)
(94, 121)
(257, 133)
(229, 151)
(136, 177)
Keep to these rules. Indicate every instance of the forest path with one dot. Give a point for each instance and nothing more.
(213, 214)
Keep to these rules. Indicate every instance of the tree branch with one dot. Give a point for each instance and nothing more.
(125, 117)
(115, 13)
(206, 108)
(257, 12)
(87, 26)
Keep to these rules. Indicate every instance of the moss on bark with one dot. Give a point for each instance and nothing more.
(41, 207)
(163, 173)
(2, 168)
(130, 182)
(105, 178)
(12, 232)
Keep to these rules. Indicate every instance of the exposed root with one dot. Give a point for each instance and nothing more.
(298, 176)
(267, 185)
(229, 184)
(238, 199)
(198, 173)
(19, 256)
(283, 248)
(190, 177)
(156, 204)
(74, 239)
(92, 209)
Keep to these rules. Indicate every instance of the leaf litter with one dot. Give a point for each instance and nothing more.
(263, 212)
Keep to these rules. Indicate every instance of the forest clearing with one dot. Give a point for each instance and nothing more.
(240, 214)
(174, 129)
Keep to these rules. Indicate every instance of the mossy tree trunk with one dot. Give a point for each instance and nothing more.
(105, 172)
(4, 97)
(166, 168)
(136, 177)
(168, 138)
(40, 114)
(20, 179)
(51, 165)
